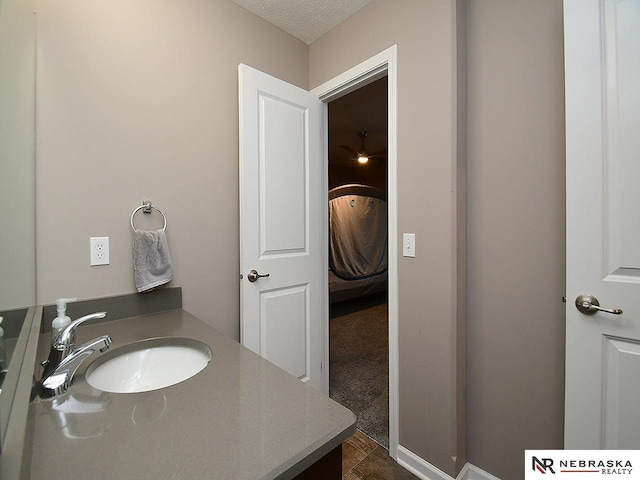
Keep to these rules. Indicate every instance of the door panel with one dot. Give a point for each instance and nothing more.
(281, 200)
(602, 70)
(285, 319)
(283, 168)
(622, 390)
(621, 65)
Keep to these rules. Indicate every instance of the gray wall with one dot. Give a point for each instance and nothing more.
(431, 365)
(17, 154)
(138, 100)
(516, 232)
(515, 223)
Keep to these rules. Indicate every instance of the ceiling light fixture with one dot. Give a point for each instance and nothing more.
(363, 156)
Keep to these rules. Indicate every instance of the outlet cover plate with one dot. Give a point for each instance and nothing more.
(409, 245)
(99, 249)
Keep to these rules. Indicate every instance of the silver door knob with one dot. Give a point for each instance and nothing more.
(588, 304)
(253, 275)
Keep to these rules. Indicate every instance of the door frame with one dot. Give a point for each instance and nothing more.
(378, 66)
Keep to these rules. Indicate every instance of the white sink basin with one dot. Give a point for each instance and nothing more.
(148, 365)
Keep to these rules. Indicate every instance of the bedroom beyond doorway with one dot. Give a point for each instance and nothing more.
(358, 251)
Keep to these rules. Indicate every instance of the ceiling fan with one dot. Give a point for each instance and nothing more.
(362, 155)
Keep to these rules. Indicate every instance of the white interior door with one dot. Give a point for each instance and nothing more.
(602, 75)
(282, 193)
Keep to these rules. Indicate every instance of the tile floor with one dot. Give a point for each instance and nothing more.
(364, 459)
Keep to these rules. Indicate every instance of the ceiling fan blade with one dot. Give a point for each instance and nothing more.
(349, 149)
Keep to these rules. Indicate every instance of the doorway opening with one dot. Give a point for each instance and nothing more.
(383, 64)
(358, 256)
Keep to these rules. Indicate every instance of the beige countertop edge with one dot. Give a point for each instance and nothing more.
(243, 403)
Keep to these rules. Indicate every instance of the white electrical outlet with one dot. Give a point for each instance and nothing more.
(99, 250)
(408, 244)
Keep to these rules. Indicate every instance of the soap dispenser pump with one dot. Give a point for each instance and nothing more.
(62, 320)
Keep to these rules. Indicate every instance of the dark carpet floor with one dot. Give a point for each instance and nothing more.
(359, 368)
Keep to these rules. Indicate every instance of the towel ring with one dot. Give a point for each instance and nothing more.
(147, 207)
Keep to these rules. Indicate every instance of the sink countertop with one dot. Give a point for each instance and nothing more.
(239, 418)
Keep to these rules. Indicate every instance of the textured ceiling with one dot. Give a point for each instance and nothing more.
(307, 20)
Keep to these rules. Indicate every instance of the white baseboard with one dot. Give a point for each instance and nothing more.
(419, 466)
(475, 473)
(423, 469)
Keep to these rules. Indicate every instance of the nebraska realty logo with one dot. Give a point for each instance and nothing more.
(581, 464)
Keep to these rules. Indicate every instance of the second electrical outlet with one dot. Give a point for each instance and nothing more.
(99, 250)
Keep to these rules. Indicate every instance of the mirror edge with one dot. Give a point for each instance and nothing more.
(23, 358)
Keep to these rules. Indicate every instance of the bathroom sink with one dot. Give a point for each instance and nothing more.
(148, 365)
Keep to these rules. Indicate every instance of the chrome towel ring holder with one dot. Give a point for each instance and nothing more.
(146, 207)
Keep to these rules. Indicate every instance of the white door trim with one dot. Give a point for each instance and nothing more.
(384, 63)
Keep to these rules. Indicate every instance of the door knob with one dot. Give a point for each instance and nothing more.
(588, 304)
(253, 275)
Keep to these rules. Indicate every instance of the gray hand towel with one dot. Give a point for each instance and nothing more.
(151, 260)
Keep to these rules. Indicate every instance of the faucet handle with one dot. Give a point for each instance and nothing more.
(67, 337)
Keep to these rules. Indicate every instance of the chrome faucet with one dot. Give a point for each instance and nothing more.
(65, 358)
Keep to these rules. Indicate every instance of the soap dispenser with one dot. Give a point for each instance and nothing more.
(62, 320)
